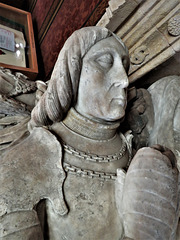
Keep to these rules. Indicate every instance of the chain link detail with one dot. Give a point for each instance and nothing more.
(96, 158)
(89, 173)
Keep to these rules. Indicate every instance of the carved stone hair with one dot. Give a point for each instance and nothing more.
(63, 86)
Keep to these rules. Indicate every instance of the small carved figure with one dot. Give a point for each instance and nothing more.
(67, 178)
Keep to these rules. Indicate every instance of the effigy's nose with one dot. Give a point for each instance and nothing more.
(120, 76)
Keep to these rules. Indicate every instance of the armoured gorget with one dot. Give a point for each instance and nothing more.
(90, 145)
(92, 153)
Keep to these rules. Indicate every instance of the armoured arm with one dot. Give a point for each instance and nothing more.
(28, 174)
(151, 195)
(20, 225)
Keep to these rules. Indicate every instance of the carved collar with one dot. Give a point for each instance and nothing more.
(88, 128)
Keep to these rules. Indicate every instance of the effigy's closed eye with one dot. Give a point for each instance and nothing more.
(105, 60)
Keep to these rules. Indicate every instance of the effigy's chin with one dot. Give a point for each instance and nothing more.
(150, 200)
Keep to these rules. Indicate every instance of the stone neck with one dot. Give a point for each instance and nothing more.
(88, 128)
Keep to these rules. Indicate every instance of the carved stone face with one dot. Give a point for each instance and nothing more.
(103, 82)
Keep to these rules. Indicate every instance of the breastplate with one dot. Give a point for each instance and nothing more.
(92, 154)
(90, 196)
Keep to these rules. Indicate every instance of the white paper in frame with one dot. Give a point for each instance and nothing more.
(16, 58)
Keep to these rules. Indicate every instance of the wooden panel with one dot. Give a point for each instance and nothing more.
(55, 21)
(24, 19)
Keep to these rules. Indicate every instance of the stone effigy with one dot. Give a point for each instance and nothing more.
(154, 115)
(72, 175)
(18, 96)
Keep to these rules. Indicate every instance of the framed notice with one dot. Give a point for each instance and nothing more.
(12, 47)
(17, 45)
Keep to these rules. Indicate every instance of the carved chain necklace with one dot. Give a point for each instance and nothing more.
(94, 158)
(89, 173)
(77, 125)
(97, 158)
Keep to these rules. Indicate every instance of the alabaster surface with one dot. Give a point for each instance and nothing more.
(72, 174)
(165, 95)
(154, 115)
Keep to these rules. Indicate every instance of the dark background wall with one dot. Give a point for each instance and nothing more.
(22, 4)
(54, 21)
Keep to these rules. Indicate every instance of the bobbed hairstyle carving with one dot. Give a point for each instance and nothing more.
(62, 89)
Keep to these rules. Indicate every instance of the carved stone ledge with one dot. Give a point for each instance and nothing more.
(139, 55)
(117, 12)
(174, 25)
(151, 32)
